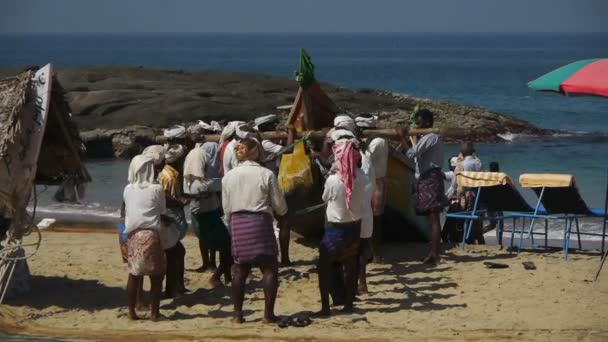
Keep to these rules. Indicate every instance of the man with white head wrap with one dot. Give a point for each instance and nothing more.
(344, 194)
(200, 129)
(170, 180)
(377, 150)
(206, 215)
(156, 153)
(269, 123)
(241, 131)
(227, 143)
(144, 202)
(176, 132)
(250, 198)
(342, 122)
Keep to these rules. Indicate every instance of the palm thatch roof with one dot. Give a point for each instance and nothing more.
(62, 149)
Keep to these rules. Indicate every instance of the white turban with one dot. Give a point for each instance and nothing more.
(230, 129)
(156, 153)
(366, 122)
(175, 132)
(202, 126)
(141, 171)
(174, 152)
(345, 122)
(264, 120)
(454, 161)
(244, 131)
(342, 135)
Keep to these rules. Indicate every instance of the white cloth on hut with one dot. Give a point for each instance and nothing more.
(174, 152)
(175, 132)
(264, 120)
(366, 122)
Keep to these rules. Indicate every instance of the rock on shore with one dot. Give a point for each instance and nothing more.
(120, 109)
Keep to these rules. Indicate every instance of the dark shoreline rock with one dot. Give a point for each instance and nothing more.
(120, 109)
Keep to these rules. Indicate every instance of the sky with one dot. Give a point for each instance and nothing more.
(81, 16)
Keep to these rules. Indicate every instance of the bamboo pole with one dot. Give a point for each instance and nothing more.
(387, 133)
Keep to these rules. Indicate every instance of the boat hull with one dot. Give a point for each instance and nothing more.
(400, 221)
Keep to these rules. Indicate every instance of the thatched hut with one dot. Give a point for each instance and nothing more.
(59, 158)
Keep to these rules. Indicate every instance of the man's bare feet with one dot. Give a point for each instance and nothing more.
(227, 278)
(170, 295)
(157, 317)
(432, 260)
(322, 313)
(378, 260)
(270, 319)
(142, 307)
(215, 282)
(362, 290)
(348, 309)
(238, 319)
(202, 269)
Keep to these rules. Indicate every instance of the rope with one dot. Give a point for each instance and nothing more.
(25, 222)
(290, 146)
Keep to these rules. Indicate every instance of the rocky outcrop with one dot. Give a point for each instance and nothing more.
(119, 109)
(118, 143)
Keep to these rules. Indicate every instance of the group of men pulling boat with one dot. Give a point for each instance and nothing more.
(238, 209)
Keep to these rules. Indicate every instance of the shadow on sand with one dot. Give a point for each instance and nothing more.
(71, 294)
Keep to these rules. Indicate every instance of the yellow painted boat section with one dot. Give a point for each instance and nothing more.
(400, 179)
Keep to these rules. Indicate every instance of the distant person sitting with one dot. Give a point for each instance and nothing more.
(452, 228)
(466, 196)
(492, 215)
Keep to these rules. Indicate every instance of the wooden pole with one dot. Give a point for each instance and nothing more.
(387, 133)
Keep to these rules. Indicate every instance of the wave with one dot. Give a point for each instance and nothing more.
(596, 137)
(86, 213)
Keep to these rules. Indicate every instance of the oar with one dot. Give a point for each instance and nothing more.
(387, 133)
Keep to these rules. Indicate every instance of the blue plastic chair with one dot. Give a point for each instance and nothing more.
(561, 200)
(495, 192)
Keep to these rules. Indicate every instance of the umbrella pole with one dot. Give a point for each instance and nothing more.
(605, 253)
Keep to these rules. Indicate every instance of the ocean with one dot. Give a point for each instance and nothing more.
(484, 69)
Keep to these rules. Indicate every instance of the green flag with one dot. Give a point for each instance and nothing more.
(306, 73)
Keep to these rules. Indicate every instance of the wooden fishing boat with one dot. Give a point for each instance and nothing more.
(314, 110)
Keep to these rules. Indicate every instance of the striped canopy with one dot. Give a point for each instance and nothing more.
(586, 77)
(482, 179)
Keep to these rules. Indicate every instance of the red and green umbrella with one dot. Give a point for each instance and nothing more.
(586, 77)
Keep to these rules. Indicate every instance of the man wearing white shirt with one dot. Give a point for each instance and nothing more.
(269, 123)
(344, 194)
(377, 150)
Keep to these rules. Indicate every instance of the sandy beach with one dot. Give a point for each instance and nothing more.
(78, 291)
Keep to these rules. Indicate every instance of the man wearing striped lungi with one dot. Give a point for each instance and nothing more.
(250, 198)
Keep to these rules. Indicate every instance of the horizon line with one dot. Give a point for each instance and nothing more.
(302, 32)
